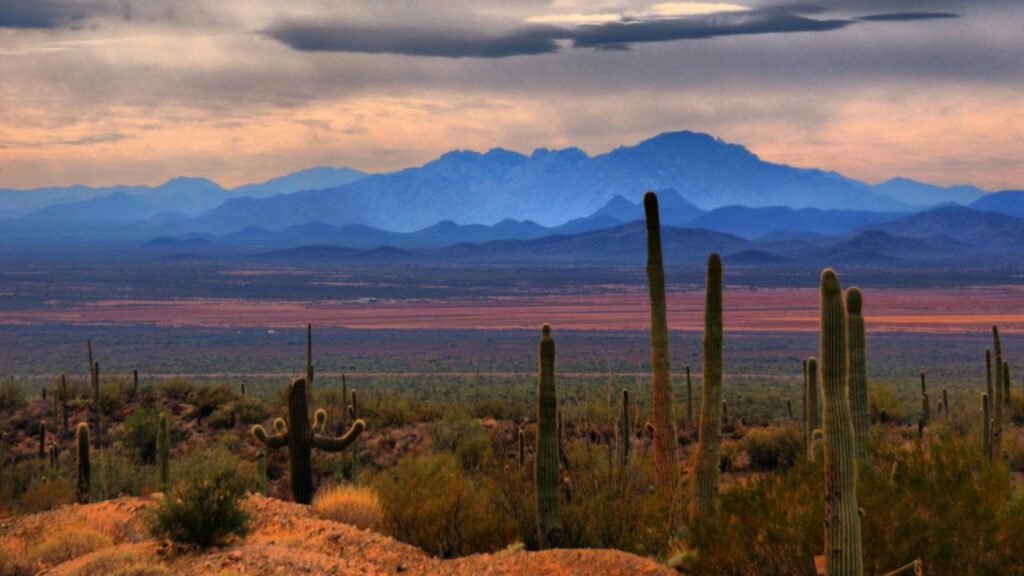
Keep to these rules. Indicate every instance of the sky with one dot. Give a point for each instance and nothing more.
(103, 92)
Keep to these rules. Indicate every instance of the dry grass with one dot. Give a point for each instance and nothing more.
(119, 562)
(350, 504)
(67, 544)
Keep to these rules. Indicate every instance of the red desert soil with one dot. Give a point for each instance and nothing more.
(947, 310)
(288, 539)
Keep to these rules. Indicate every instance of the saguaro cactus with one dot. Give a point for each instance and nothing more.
(309, 358)
(1006, 382)
(926, 405)
(665, 441)
(988, 374)
(624, 431)
(549, 513)
(301, 438)
(522, 448)
(84, 471)
(42, 440)
(945, 404)
(706, 465)
(858, 371)
(163, 451)
(812, 419)
(842, 520)
(986, 428)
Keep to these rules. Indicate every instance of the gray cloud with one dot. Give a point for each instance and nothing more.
(314, 37)
(47, 13)
(907, 16)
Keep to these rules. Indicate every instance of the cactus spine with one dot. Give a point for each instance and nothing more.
(842, 520)
(858, 371)
(813, 417)
(163, 451)
(84, 471)
(300, 438)
(261, 472)
(624, 431)
(706, 465)
(549, 515)
(665, 441)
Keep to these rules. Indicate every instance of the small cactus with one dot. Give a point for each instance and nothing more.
(986, 429)
(84, 471)
(813, 417)
(301, 438)
(624, 431)
(163, 451)
(665, 441)
(549, 515)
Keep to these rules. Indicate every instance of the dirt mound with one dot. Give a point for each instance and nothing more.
(285, 538)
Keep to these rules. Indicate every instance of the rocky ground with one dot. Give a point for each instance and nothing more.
(285, 539)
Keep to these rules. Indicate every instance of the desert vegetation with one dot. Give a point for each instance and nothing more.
(852, 476)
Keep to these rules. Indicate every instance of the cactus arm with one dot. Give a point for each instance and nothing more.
(272, 441)
(339, 443)
(319, 421)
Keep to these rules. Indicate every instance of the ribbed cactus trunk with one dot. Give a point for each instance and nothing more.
(84, 470)
(986, 428)
(549, 515)
(163, 451)
(813, 417)
(842, 521)
(858, 371)
(625, 430)
(998, 400)
(706, 465)
(843, 553)
(300, 450)
(988, 374)
(665, 441)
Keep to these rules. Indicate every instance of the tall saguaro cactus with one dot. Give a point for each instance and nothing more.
(706, 465)
(842, 520)
(665, 441)
(549, 514)
(84, 470)
(858, 371)
(301, 438)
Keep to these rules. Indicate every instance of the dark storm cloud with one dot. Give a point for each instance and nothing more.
(407, 40)
(47, 13)
(908, 16)
(529, 40)
(693, 28)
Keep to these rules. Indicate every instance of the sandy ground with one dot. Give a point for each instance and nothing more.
(948, 310)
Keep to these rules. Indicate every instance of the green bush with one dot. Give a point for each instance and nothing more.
(12, 397)
(177, 389)
(778, 447)
(203, 506)
(469, 441)
(208, 399)
(138, 433)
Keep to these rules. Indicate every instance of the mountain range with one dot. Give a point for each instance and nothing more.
(562, 199)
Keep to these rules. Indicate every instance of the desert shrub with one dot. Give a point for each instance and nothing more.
(1016, 410)
(353, 505)
(138, 433)
(177, 389)
(777, 447)
(223, 417)
(469, 441)
(69, 542)
(604, 506)
(203, 506)
(497, 408)
(117, 474)
(430, 502)
(110, 397)
(252, 410)
(47, 493)
(12, 397)
(395, 411)
(209, 398)
(882, 398)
